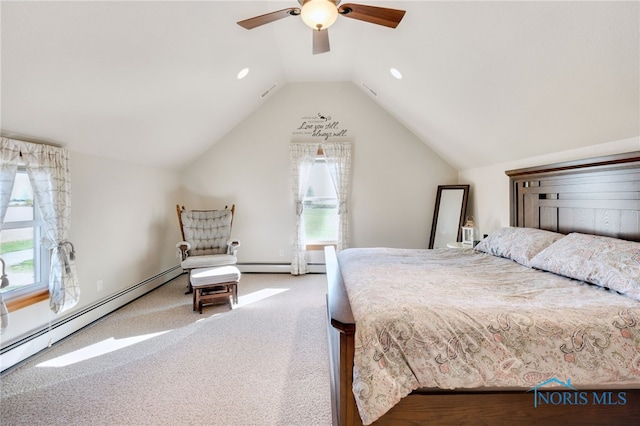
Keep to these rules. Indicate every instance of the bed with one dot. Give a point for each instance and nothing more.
(526, 354)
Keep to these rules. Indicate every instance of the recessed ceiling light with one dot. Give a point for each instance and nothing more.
(243, 73)
(397, 74)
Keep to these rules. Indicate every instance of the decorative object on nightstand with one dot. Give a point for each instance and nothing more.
(468, 231)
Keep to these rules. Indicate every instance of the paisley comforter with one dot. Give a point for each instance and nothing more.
(455, 319)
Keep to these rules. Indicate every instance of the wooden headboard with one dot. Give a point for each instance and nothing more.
(593, 196)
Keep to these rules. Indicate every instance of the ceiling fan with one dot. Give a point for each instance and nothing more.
(321, 14)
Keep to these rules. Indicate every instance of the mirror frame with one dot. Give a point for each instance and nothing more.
(463, 210)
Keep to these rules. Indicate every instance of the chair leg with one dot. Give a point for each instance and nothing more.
(197, 299)
(234, 291)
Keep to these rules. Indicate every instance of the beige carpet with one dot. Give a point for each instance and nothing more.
(156, 362)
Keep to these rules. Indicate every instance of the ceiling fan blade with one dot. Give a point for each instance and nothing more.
(320, 41)
(373, 14)
(256, 21)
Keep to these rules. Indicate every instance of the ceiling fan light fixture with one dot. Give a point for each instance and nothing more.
(319, 14)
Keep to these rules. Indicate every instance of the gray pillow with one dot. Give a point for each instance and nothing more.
(518, 244)
(603, 261)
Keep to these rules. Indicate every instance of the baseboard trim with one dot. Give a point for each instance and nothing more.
(20, 350)
(277, 268)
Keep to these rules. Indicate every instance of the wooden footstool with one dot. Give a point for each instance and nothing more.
(214, 284)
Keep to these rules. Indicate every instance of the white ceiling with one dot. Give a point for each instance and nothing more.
(484, 82)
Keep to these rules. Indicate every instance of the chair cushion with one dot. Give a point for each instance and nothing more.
(209, 276)
(208, 261)
(207, 230)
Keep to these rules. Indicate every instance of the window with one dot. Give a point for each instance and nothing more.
(321, 175)
(320, 212)
(26, 262)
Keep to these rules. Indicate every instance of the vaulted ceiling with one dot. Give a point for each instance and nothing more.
(483, 82)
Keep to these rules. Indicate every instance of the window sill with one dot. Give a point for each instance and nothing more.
(319, 245)
(24, 300)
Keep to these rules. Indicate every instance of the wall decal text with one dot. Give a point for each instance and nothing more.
(320, 126)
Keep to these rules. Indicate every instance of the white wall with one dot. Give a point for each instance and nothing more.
(489, 199)
(124, 229)
(394, 177)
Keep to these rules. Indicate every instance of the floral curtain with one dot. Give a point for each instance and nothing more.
(338, 155)
(49, 174)
(302, 155)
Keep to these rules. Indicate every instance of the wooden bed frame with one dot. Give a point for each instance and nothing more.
(598, 196)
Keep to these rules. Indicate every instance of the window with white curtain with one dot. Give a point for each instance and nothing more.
(336, 163)
(26, 261)
(50, 178)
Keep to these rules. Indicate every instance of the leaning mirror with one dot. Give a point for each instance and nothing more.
(449, 214)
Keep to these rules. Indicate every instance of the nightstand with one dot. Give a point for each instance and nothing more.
(459, 245)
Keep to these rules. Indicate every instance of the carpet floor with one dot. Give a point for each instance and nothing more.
(156, 362)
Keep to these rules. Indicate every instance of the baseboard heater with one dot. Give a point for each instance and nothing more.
(22, 349)
(277, 268)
